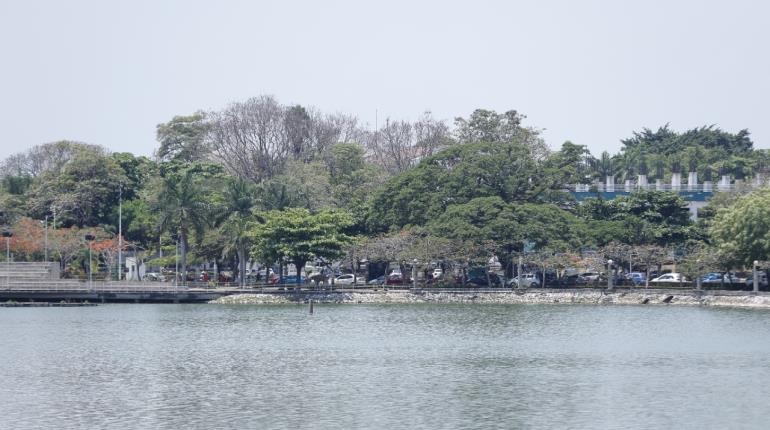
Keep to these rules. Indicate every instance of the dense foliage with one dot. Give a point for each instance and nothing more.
(272, 184)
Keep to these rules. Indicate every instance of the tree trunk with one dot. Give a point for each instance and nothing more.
(216, 271)
(183, 245)
(647, 278)
(299, 264)
(242, 266)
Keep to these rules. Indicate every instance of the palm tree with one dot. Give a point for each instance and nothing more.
(183, 210)
(239, 204)
(235, 232)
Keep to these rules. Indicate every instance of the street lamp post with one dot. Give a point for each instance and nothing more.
(414, 273)
(176, 260)
(90, 239)
(698, 275)
(609, 274)
(7, 235)
(756, 277)
(120, 233)
(46, 238)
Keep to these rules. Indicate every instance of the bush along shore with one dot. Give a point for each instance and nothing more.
(689, 298)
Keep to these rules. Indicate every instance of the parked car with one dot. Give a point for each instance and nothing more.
(528, 280)
(481, 280)
(670, 278)
(589, 277)
(288, 280)
(397, 279)
(437, 272)
(348, 279)
(712, 278)
(155, 277)
(380, 280)
(724, 278)
(570, 281)
(637, 278)
(762, 279)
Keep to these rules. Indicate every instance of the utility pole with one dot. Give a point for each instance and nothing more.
(176, 261)
(7, 235)
(90, 239)
(756, 277)
(120, 234)
(46, 238)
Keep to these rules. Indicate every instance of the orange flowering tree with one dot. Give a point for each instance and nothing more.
(107, 248)
(28, 239)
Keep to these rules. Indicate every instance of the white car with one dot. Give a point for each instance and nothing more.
(529, 280)
(349, 279)
(588, 277)
(437, 273)
(670, 277)
(761, 279)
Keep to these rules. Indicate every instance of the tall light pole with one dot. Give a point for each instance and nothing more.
(176, 260)
(756, 276)
(7, 235)
(120, 233)
(90, 238)
(46, 238)
(698, 275)
(609, 274)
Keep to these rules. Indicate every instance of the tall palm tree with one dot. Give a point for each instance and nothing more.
(183, 210)
(235, 232)
(239, 204)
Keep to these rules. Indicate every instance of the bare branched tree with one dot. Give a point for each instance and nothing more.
(392, 147)
(430, 135)
(47, 157)
(249, 138)
(328, 129)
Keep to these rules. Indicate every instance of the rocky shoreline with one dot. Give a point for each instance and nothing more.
(593, 297)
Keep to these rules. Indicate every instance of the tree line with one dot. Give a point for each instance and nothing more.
(261, 181)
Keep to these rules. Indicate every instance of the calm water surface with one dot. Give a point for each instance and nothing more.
(384, 367)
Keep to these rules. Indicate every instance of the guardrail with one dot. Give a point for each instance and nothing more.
(698, 188)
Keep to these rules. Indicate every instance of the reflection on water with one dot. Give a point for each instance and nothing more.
(355, 366)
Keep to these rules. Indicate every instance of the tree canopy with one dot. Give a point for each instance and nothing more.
(742, 231)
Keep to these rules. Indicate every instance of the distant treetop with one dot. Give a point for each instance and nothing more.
(665, 141)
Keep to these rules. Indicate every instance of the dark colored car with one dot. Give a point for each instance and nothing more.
(571, 280)
(481, 281)
(396, 279)
(377, 281)
(288, 280)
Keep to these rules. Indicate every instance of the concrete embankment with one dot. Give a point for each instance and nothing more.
(594, 297)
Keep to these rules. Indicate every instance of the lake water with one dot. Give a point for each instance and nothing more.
(384, 367)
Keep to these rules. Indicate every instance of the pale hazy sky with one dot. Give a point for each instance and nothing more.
(107, 72)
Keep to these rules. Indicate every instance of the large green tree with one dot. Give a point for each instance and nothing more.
(83, 192)
(505, 228)
(742, 231)
(643, 217)
(299, 236)
(183, 138)
(457, 175)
